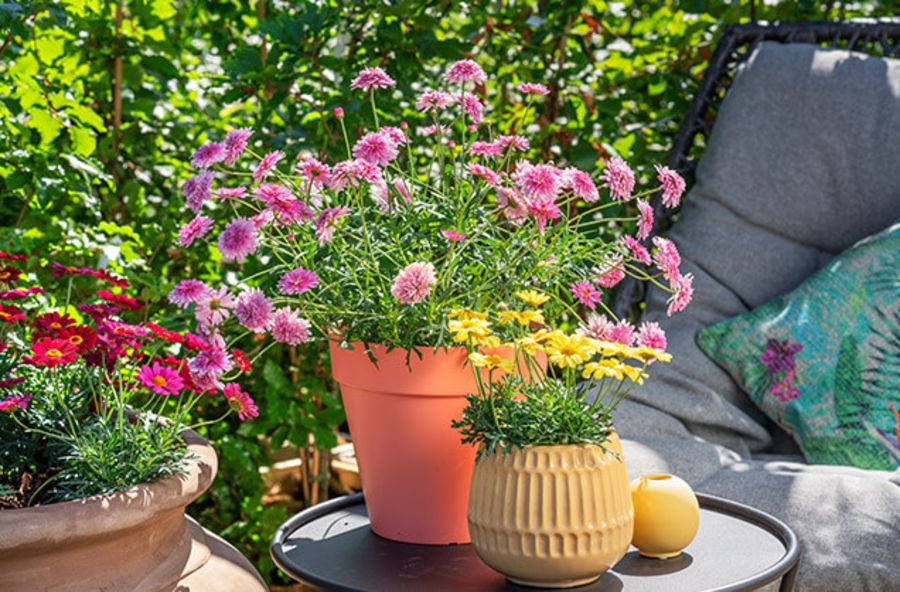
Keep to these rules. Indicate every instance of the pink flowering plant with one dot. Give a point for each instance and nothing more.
(376, 243)
(93, 397)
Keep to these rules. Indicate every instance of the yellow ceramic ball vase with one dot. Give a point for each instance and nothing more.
(666, 515)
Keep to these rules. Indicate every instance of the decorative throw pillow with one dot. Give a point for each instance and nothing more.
(824, 360)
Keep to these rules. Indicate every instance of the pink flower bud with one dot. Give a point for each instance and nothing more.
(339, 112)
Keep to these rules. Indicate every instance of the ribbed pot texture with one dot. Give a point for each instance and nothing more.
(137, 540)
(551, 516)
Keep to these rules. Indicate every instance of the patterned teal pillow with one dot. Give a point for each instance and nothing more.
(824, 360)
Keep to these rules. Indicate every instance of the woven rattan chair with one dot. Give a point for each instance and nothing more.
(768, 206)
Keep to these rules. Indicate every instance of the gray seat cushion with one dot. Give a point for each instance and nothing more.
(803, 161)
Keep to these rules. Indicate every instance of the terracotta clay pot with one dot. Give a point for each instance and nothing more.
(137, 540)
(552, 516)
(415, 471)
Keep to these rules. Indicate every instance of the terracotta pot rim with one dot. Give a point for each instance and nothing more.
(114, 511)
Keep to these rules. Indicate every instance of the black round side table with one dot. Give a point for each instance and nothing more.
(330, 546)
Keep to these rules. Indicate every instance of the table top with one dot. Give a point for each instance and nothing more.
(331, 546)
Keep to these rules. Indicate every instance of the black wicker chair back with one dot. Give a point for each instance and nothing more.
(880, 38)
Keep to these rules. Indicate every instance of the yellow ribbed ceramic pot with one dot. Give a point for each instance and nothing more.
(551, 516)
(666, 515)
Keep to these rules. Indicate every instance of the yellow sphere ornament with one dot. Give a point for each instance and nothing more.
(666, 515)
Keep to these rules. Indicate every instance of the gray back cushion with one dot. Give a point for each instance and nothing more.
(803, 161)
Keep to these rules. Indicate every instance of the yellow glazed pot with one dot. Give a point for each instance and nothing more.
(551, 516)
(666, 515)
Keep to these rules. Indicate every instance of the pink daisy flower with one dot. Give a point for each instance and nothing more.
(479, 170)
(597, 326)
(213, 307)
(465, 70)
(453, 236)
(263, 218)
(542, 181)
(402, 189)
(288, 327)
(667, 259)
(238, 240)
(266, 165)
(196, 228)
(349, 173)
(205, 383)
(14, 402)
(438, 129)
(638, 251)
(231, 192)
(433, 100)
(651, 335)
(413, 283)
(188, 292)
(160, 379)
(586, 293)
(543, 209)
(684, 292)
(619, 179)
(533, 88)
(396, 134)
(315, 171)
(370, 78)
(375, 148)
(208, 155)
(253, 310)
(197, 190)
(645, 219)
(297, 281)
(513, 205)
(240, 402)
(280, 200)
(472, 107)
(518, 143)
(213, 361)
(327, 222)
(672, 186)
(622, 332)
(581, 184)
(235, 144)
(610, 277)
(481, 148)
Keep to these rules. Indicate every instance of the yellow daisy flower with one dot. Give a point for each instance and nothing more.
(491, 341)
(603, 368)
(463, 314)
(471, 327)
(523, 317)
(532, 297)
(569, 351)
(491, 361)
(649, 354)
(634, 374)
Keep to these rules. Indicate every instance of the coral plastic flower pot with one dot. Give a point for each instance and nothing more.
(415, 470)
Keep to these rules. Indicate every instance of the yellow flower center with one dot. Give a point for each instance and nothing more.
(76, 339)
(159, 381)
(53, 353)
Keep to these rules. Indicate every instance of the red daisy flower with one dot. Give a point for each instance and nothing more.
(9, 274)
(51, 323)
(102, 274)
(242, 360)
(52, 352)
(81, 336)
(122, 300)
(12, 256)
(11, 314)
(164, 334)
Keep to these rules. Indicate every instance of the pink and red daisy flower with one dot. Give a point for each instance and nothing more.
(49, 352)
(684, 292)
(597, 326)
(479, 170)
(10, 314)
(454, 236)
(315, 171)
(213, 307)
(197, 190)
(667, 258)
(672, 186)
(638, 251)
(533, 88)
(120, 300)
(326, 223)
(543, 210)
(240, 402)
(433, 100)
(622, 332)
(581, 184)
(472, 107)
(10, 404)
(188, 292)
(376, 148)
(160, 379)
(540, 181)
(213, 361)
(51, 323)
(645, 219)
(651, 335)
(81, 336)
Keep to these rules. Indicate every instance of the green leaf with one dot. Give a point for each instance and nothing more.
(83, 141)
(46, 125)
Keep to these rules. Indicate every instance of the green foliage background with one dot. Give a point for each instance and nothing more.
(101, 104)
